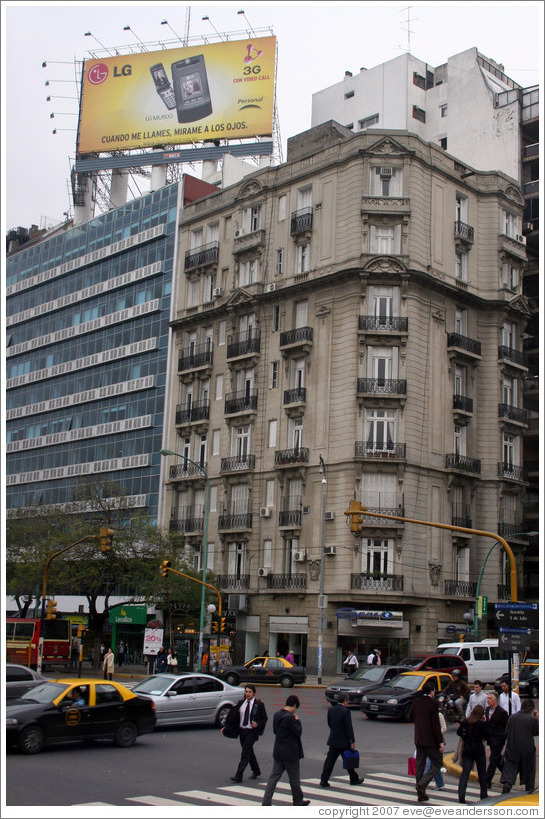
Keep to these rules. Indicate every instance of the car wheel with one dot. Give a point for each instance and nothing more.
(31, 740)
(231, 679)
(221, 716)
(406, 714)
(286, 682)
(125, 734)
(371, 716)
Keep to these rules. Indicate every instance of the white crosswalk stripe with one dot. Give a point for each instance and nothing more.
(377, 789)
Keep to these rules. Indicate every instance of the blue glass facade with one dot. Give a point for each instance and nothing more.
(87, 323)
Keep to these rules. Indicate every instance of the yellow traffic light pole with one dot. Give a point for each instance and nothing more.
(165, 567)
(44, 585)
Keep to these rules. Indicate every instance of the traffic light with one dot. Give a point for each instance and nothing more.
(51, 613)
(163, 568)
(222, 624)
(356, 519)
(81, 631)
(214, 626)
(106, 536)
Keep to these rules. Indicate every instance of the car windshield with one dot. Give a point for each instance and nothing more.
(410, 682)
(449, 650)
(157, 684)
(372, 673)
(412, 662)
(528, 671)
(46, 692)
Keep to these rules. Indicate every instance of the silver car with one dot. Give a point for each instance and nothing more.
(20, 679)
(189, 698)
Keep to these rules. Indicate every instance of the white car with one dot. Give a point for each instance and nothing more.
(189, 698)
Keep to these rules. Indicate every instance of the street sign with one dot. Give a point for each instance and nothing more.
(482, 609)
(523, 615)
(513, 639)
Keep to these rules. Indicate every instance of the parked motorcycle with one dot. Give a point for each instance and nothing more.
(448, 709)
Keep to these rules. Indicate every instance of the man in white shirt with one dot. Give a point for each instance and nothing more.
(351, 662)
(511, 705)
(477, 698)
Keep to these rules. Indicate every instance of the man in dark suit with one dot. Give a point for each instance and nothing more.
(427, 738)
(341, 738)
(252, 718)
(287, 752)
(496, 721)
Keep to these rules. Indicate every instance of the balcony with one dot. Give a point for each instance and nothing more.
(236, 522)
(384, 504)
(463, 463)
(380, 205)
(199, 411)
(512, 472)
(301, 221)
(461, 515)
(237, 463)
(381, 452)
(233, 581)
(283, 582)
(298, 396)
(185, 470)
(460, 588)
(243, 344)
(291, 457)
(194, 358)
(376, 582)
(201, 256)
(464, 345)
(249, 241)
(187, 520)
(510, 413)
(512, 356)
(290, 518)
(300, 339)
(508, 529)
(462, 404)
(241, 402)
(382, 386)
(514, 245)
(464, 234)
(383, 324)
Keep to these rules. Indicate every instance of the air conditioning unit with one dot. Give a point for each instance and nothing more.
(300, 557)
(216, 292)
(521, 239)
(329, 515)
(330, 550)
(263, 572)
(265, 512)
(270, 288)
(527, 225)
(237, 602)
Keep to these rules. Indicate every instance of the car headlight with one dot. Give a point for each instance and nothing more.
(12, 721)
(357, 691)
(364, 698)
(392, 702)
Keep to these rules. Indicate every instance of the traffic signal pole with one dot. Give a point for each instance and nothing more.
(165, 567)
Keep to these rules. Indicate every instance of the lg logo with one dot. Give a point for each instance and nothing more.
(99, 72)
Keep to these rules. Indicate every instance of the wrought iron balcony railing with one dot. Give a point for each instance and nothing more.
(463, 231)
(298, 395)
(199, 411)
(243, 344)
(461, 515)
(300, 335)
(463, 463)
(187, 519)
(233, 581)
(392, 324)
(375, 581)
(237, 463)
(287, 581)
(237, 521)
(185, 469)
(468, 345)
(510, 354)
(290, 518)
(192, 357)
(512, 471)
(383, 386)
(244, 401)
(511, 413)
(286, 457)
(462, 402)
(205, 254)
(384, 451)
(460, 588)
(301, 220)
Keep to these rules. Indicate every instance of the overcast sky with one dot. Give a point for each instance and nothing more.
(317, 43)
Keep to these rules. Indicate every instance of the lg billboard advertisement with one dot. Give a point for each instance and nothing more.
(180, 95)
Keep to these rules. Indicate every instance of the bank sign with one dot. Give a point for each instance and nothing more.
(365, 617)
(180, 95)
(135, 615)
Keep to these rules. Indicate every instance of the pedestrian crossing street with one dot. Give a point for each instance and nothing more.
(378, 789)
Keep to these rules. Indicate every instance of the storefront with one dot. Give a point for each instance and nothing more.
(288, 634)
(364, 630)
(128, 623)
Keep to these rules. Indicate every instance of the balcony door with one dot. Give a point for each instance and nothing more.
(295, 437)
(377, 557)
(240, 499)
(382, 364)
(379, 491)
(236, 559)
(380, 430)
(291, 547)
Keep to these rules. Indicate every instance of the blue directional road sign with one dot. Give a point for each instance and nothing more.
(517, 615)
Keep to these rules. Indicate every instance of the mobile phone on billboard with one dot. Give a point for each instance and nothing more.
(163, 86)
(191, 89)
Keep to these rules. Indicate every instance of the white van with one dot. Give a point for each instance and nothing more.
(484, 660)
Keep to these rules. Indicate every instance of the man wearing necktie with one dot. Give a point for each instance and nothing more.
(252, 721)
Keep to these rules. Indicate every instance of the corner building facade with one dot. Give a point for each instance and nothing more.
(353, 304)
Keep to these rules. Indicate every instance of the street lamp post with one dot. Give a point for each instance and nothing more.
(322, 575)
(205, 545)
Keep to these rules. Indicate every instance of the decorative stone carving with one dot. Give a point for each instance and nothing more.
(314, 569)
(435, 572)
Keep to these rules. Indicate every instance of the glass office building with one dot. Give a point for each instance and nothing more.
(87, 330)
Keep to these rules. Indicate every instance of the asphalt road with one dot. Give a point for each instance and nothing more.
(197, 757)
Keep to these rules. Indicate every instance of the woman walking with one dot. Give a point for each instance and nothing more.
(473, 733)
(108, 664)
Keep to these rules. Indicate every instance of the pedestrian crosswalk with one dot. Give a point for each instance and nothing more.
(378, 789)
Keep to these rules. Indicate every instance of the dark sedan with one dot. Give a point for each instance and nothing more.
(20, 679)
(77, 709)
(364, 680)
(264, 670)
(396, 697)
(528, 681)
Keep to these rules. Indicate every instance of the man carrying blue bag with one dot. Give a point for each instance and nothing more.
(341, 738)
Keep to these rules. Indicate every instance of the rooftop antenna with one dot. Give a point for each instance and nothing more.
(249, 24)
(408, 29)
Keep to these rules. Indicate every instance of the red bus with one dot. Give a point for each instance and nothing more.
(22, 636)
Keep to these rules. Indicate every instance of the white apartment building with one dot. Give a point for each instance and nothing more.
(360, 304)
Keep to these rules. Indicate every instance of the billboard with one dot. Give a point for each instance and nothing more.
(179, 95)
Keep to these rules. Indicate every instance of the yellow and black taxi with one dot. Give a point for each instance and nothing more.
(66, 710)
(264, 670)
(395, 698)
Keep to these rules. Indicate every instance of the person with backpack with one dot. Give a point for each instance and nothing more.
(252, 718)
